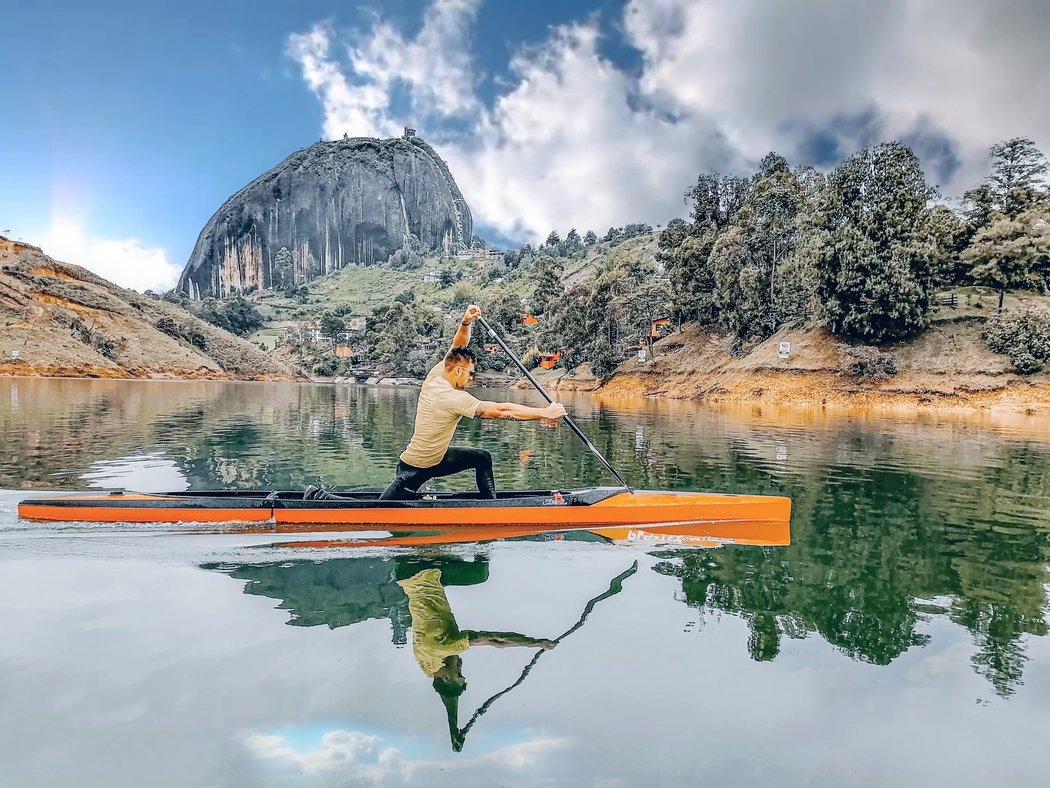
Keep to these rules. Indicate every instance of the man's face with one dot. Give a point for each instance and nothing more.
(464, 375)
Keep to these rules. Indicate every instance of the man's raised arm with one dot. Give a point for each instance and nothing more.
(462, 337)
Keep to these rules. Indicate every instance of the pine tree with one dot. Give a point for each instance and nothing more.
(1018, 169)
(331, 326)
(283, 270)
(603, 363)
(717, 199)
(741, 294)
(769, 219)
(684, 254)
(546, 274)
(873, 260)
(1011, 252)
(573, 243)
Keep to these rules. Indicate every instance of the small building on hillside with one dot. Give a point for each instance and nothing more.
(355, 324)
(482, 254)
(304, 332)
(660, 327)
(548, 360)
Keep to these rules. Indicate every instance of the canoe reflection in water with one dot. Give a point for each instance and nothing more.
(409, 590)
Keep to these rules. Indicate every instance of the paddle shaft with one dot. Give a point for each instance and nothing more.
(615, 587)
(550, 399)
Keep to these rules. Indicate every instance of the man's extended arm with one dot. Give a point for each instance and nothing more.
(506, 639)
(512, 410)
(462, 337)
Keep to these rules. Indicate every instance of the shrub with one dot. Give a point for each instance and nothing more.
(96, 338)
(603, 363)
(236, 316)
(1023, 334)
(181, 331)
(418, 363)
(326, 367)
(463, 293)
(531, 358)
(866, 362)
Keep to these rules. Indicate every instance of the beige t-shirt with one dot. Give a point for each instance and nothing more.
(441, 406)
(435, 635)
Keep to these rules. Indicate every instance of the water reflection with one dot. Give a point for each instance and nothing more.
(409, 591)
(867, 586)
(896, 524)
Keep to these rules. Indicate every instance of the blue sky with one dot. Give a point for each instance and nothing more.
(125, 126)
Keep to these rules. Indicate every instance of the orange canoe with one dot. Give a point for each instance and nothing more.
(592, 506)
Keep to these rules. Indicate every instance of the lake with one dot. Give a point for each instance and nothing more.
(901, 637)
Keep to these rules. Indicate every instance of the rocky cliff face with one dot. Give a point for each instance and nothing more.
(334, 204)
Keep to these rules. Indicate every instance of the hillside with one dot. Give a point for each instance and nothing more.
(58, 319)
(360, 290)
(948, 367)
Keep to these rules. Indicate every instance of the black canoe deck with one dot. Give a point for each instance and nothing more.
(348, 499)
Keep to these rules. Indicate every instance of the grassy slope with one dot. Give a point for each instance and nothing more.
(366, 289)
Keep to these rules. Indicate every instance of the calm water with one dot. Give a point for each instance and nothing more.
(899, 639)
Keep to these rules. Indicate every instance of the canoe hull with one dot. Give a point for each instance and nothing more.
(611, 508)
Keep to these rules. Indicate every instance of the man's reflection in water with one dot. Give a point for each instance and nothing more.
(346, 591)
(438, 642)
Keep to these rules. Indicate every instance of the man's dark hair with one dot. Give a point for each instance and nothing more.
(459, 355)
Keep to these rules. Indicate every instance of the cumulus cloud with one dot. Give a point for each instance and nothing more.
(363, 757)
(573, 138)
(434, 67)
(338, 748)
(127, 262)
(775, 72)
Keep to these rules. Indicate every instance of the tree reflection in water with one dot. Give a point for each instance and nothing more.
(895, 522)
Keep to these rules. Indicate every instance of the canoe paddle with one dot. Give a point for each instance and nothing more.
(546, 396)
(615, 587)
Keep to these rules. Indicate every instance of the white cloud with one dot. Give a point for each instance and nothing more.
(364, 758)
(359, 110)
(337, 749)
(435, 66)
(573, 139)
(126, 262)
(965, 68)
(565, 145)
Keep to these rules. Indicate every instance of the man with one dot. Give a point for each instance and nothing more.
(438, 642)
(442, 403)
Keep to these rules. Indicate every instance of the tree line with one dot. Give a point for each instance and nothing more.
(862, 250)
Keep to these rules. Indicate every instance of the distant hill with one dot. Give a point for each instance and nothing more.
(333, 205)
(58, 319)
